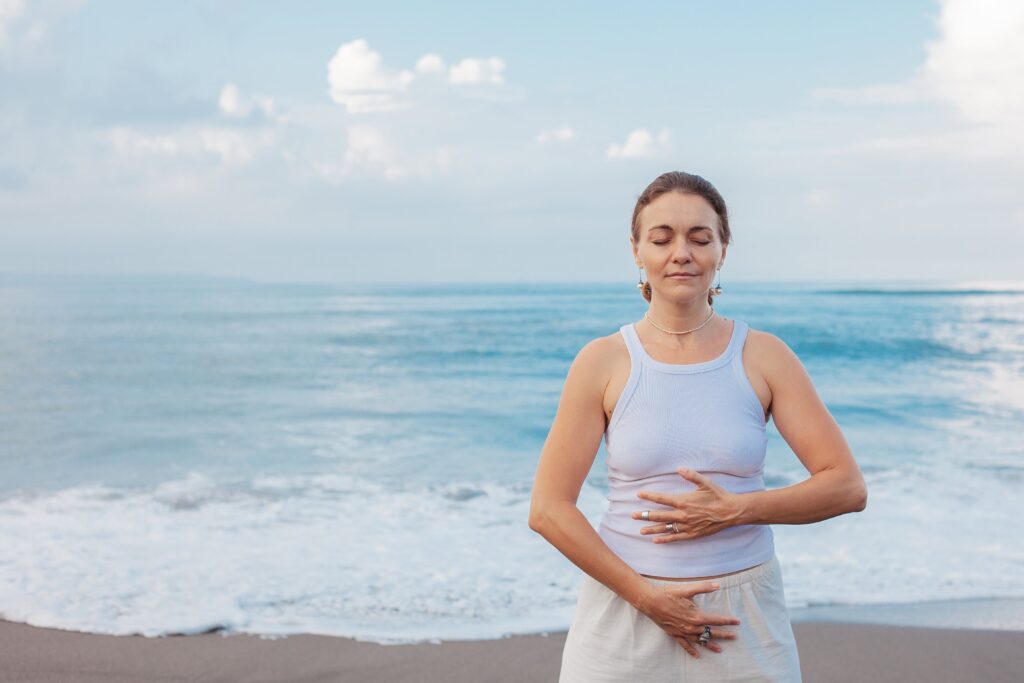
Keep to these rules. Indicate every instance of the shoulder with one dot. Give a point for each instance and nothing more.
(771, 355)
(596, 360)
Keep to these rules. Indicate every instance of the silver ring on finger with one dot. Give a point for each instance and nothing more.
(645, 515)
(705, 636)
(672, 527)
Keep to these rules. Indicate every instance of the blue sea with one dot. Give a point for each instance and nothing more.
(186, 454)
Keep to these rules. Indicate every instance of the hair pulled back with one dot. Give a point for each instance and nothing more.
(679, 181)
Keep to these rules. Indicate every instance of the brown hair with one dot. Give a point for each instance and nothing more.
(678, 181)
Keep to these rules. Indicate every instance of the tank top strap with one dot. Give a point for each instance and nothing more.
(633, 345)
(739, 335)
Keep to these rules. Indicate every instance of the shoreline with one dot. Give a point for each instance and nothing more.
(830, 651)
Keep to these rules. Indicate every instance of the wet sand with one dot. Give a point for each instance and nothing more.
(829, 652)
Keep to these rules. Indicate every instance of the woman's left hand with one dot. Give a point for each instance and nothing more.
(703, 512)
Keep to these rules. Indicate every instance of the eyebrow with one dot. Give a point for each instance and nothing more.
(669, 227)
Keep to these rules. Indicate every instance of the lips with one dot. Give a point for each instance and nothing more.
(682, 275)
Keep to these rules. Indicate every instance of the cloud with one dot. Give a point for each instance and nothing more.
(226, 145)
(233, 105)
(23, 28)
(371, 152)
(358, 80)
(10, 10)
(430, 64)
(977, 61)
(563, 134)
(640, 143)
(476, 70)
(974, 66)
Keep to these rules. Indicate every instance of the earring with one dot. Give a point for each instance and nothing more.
(717, 289)
(643, 286)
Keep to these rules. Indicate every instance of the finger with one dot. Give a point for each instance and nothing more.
(713, 646)
(663, 498)
(692, 475)
(663, 528)
(688, 646)
(657, 516)
(670, 537)
(722, 634)
(718, 619)
(697, 478)
(693, 589)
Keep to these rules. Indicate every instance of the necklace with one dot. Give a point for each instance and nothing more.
(710, 315)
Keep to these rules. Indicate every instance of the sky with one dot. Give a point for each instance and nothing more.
(508, 142)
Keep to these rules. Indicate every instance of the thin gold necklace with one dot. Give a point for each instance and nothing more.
(712, 313)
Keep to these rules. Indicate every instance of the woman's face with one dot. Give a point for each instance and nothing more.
(679, 234)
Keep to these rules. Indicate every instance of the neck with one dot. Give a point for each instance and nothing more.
(679, 315)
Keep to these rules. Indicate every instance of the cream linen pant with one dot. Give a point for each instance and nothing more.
(609, 640)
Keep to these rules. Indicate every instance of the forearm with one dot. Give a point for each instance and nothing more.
(566, 528)
(826, 494)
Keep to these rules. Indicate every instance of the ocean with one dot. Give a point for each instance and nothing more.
(188, 454)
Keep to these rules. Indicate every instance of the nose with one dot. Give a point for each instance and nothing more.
(682, 252)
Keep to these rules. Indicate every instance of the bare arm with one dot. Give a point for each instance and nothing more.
(836, 485)
(565, 460)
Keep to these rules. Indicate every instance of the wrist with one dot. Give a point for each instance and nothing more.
(644, 595)
(740, 505)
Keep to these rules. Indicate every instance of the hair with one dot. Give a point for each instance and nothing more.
(688, 183)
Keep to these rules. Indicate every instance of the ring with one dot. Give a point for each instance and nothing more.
(645, 515)
(705, 636)
(672, 527)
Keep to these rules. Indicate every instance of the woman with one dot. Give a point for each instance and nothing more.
(684, 559)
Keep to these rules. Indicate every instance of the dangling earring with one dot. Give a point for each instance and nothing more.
(641, 285)
(717, 289)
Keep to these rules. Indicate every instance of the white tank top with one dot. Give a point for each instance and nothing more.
(702, 416)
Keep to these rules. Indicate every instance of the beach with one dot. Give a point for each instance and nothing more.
(208, 480)
(829, 653)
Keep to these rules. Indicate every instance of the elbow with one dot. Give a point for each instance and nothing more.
(537, 518)
(542, 514)
(860, 497)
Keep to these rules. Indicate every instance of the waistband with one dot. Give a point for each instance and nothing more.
(727, 581)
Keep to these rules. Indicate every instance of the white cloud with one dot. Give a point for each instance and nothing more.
(358, 80)
(23, 28)
(132, 142)
(477, 70)
(974, 66)
(430, 64)
(229, 146)
(232, 104)
(978, 61)
(563, 134)
(230, 101)
(10, 10)
(640, 143)
(370, 152)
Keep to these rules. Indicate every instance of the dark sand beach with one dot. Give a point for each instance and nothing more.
(830, 652)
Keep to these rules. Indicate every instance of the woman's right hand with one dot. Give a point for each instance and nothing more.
(673, 609)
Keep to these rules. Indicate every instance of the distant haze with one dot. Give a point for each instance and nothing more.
(446, 142)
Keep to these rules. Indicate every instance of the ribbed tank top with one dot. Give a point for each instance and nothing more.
(702, 416)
